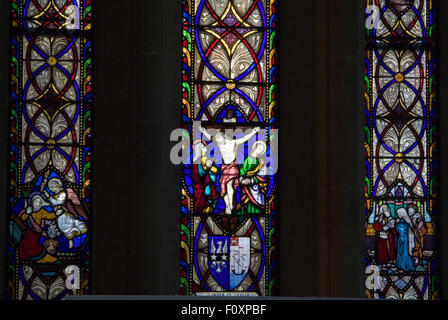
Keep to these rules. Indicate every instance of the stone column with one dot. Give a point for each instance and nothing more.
(112, 113)
(154, 183)
(321, 137)
(345, 106)
(297, 132)
(136, 226)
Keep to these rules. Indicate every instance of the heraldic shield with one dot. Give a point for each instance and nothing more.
(229, 260)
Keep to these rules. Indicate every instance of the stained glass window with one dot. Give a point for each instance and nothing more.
(50, 134)
(229, 113)
(401, 146)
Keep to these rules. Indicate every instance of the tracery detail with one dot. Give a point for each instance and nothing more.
(228, 219)
(401, 148)
(50, 134)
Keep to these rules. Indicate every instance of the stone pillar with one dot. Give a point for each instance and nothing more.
(112, 113)
(321, 208)
(136, 226)
(345, 143)
(297, 151)
(154, 185)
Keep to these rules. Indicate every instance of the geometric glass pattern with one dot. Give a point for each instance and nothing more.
(401, 147)
(229, 87)
(50, 155)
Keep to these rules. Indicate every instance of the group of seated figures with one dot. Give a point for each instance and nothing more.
(50, 215)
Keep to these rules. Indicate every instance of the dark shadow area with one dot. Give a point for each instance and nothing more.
(136, 200)
(321, 209)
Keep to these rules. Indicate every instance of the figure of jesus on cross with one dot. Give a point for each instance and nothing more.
(228, 147)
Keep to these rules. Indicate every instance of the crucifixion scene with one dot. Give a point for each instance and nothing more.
(229, 187)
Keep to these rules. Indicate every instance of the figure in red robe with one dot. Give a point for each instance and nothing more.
(385, 236)
(204, 174)
(31, 220)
